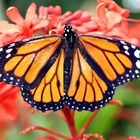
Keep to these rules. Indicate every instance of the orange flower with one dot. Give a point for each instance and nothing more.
(81, 21)
(52, 16)
(8, 106)
(114, 7)
(134, 34)
(111, 21)
(23, 28)
(6, 39)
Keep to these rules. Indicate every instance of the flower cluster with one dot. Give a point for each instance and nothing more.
(111, 21)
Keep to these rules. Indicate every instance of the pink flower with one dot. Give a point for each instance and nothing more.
(111, 20)
(52, 15)
(6, 39)
(134, 34)
(81, 21)
(23, 28)
(114, 7)
(109, 15)
(8, 106)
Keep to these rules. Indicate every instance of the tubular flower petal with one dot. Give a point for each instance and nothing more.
(23, 28)
(8, 96)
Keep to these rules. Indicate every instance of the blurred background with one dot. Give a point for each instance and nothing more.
(112, 122)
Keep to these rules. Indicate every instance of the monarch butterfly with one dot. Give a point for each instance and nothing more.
(80, 71)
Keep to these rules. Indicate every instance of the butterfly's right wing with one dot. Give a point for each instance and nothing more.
(99, 66)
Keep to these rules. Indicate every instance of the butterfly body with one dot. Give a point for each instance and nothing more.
(70, 36)
(80, 71)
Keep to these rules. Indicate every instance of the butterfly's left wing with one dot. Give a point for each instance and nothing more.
(49, 93)
(24, 63)
(99, 66)
(36, 66)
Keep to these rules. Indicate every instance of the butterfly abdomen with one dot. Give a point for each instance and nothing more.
(67, 74)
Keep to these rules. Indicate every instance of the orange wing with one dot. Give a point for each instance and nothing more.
(35, 65)
(109, 57)
(48, 94)
(99, 65)
(86, 88)
(24, 63)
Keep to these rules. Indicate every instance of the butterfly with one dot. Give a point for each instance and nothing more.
(79, 71)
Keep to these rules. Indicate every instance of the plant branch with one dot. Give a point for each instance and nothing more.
(116, 102)
(44, 129)
(47, 137)
(96, 136)
(87, 123)
(70, 122)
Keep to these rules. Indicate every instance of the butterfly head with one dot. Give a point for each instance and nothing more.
(68, 28)
(69, 34)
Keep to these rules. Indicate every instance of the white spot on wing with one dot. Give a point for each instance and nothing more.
(137, 53)
(127, 52)
(133, 46)
(11, 78)
(11, 45)
(136, 71)
(126, 47)
(9, 50)
(138, 64)
(7, 56)
(123, 42)
(1, 49)
(4, 79)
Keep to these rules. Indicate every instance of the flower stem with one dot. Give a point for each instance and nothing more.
(70, 122)
(116, 102)
(46, 130)
(90, 136)
(87, 123)
(46, 138)
(132, 20)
